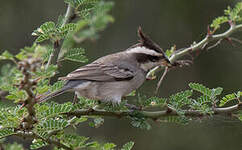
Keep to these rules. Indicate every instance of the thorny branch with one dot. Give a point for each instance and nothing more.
(69, 16)
(28, 85)
(201, 45)
(153, 114)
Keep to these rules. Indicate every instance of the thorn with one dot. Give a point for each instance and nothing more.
(191, 55)
(209, 33)
(230, 41)
(22, 106)
(231, 23)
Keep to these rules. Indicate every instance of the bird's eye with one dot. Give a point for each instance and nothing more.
(154, 58)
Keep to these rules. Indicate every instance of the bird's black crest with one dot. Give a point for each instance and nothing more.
(147, 42)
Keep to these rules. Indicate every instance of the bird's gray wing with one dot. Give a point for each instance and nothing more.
(97, 71)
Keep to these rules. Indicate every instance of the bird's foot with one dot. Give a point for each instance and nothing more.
(75, 99)
(133, 107)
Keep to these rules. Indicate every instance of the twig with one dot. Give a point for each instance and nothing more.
(236, 40)
(195, 47)
(161, 79)
(69, 16)
(214, 45)
(153, 114)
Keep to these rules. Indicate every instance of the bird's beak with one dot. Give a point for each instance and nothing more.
(165, 63)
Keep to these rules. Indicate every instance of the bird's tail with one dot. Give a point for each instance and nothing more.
(51, 95)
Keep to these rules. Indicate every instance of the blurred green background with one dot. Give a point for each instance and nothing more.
(168, 22)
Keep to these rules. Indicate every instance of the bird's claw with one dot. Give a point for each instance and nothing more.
(133, 107)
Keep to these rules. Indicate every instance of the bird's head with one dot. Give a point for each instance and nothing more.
(147, 53)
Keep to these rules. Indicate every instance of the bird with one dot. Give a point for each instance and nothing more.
(112, 77)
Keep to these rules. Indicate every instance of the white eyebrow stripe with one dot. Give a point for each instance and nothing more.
(144, 50)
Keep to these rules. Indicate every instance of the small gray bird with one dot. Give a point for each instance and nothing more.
(111, 77)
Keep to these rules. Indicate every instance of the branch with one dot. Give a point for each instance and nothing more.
(69, 16)
(28, 85)
(200, 45)
(153, 114)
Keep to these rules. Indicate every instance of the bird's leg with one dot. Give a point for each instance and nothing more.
(75, 99)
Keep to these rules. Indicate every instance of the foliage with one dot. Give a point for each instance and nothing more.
(50, 31)
(50, 123)
(75, 54)
(12, 146)
(232, 15)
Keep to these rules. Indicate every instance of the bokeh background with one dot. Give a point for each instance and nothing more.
(168, 22)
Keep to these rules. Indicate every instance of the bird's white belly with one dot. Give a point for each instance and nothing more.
(109, 91)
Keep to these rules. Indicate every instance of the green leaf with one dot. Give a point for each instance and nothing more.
(218, 21)
(97, 19)
(204, 99)
(46, 55)
(76, 54)
(128, 146)
(42, 86)
(28, 49)
(46, 31)
(6, 56)
(52, 124)
(4, 132)
(68, 27)
(74, 141)
(154, 101)
(14, 146)
(21, 55)
(234, 14)
(109, 146)
(239, 94)
(217, 91)
(169, 52)
(47, 27)
(52, 110)
(81, 4)
(94, 144)
(17, 95)
(180, 99)
(46, 73)
(227, 98)
(38, 143)
(10, 117)
(60, 21)
(57, 85)
(42, 38)
(201, 88)
(139, 121)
